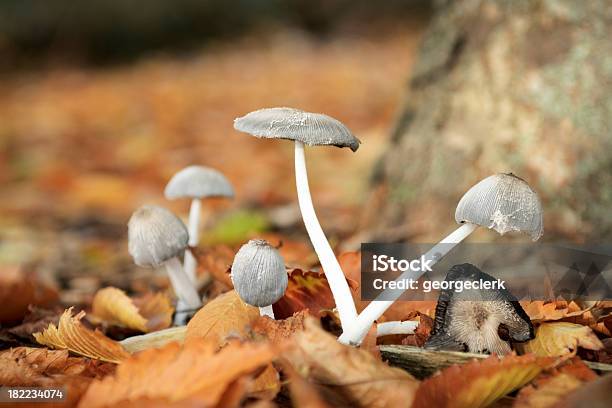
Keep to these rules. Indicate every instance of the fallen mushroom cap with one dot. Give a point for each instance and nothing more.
(470, 320)
(503, 202)
(155, 235)
(198, 182)
(313, 129)
(259, 274)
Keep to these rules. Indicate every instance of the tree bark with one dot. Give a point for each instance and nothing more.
(500, 86)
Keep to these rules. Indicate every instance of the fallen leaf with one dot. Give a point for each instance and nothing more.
(223, 317)
(551, 387)
(305, 291)
(541, 311)
(19, 290)
(148, 313)
(217, 261)
(266, 385)
(277, 331)
(39, 367)
(478, 383)
(190, 375)
(422, 332)
(354, 375)
(70, 334)
(303, 393)
(561, 338)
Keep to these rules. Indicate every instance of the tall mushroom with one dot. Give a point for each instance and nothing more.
(470, 320)
(259, 275)
(502, 202)
(312, 129)
(196, 183)
(157, 237)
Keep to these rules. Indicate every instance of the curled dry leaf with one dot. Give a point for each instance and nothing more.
(303, 393)
(306, 290)
(350, 374)
(552, 386)
(224, 317)
(541, 311)
(39, 367)
(191, 375)
(70, 334)
(561, 338)
(19, 290)
(148, 313)
(478, 383)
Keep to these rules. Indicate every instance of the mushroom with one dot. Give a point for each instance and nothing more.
(259, 275)
(313, 129)
(196, 183)
(470, 320)
(157, 237)
(502, 202)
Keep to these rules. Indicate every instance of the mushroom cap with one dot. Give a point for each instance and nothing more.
(198, 182)
(259, 274)
(313, 129)
(470, 319)
(503, 202)
(155, 235)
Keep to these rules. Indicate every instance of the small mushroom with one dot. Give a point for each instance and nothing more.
(157, 237)
(259, 275)
(312, 129)
(470, 320)
(196, 183)
(502, 202)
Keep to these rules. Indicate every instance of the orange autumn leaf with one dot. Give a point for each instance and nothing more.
(355, 375)
(278, 331)
(40, 367)
(303, 393)
(541, 311)
(194, 374)
(18, 290)
(223, 317)
(70, 334)
(148, 313)
(305, 290)
(478, 383)
(551, 387)
(215, 260)
(562, 338)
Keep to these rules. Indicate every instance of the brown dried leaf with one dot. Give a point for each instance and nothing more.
(305, 291)
(551, 387)
(223, 317)
(39, 367)
(278, 331)
(478, 383)
(541, 311)
(354, 375)
(192, 375)
(561, 338)
(303, 393)
(71, 335)
(18, 290)
(148, 313)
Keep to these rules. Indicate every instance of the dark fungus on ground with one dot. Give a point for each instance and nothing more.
(471, 320)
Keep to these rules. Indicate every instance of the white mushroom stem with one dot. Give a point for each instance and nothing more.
(181, 284)
(356, 331)
(267, 311)
(193, 228)
(333, 272)
(388, 328)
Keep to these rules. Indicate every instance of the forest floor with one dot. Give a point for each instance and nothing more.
(82, 148)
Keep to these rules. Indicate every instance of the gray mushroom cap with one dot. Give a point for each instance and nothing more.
(155, 235)
(503, 202)
(259, 274)
(198, 182)
(313, 129)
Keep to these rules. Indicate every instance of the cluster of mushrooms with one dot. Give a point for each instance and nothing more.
(502, 202)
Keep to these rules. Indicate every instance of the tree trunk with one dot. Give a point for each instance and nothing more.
(500, 86)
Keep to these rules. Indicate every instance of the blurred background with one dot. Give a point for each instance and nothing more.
(101, 102)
